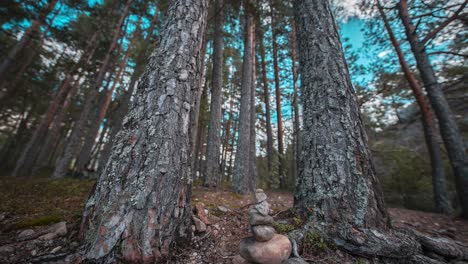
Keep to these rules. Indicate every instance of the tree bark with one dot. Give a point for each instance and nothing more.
(447, 124)
(439, 184)
(141, 204)
(212, 175)
(279, 119)
(266, 99)
(253, 119)
(241, 176)
(295, 102)
(73, 146)
(24, 41)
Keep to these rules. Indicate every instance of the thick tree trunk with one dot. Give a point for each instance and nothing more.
(73, 146)
(141, 204)
(24, 41)
(212, 175)
(447, 124)
(253, 119)
(279, 119)
(337, 190)
(266, 99)
(241, 177)
(439, 184)
(295, 102)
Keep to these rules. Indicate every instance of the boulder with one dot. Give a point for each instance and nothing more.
(275, 251)
(263, 233)
(258, 219)
(48, 236)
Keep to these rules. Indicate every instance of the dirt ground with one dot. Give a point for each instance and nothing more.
(226, 212)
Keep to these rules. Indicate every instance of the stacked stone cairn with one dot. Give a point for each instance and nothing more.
(265, 246)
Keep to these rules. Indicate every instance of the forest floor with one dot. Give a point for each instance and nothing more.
(39, 223)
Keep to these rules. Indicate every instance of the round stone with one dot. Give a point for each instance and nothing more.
(263, 208)
(263, 233)
(259, 219)
(275, 251)
(260, 197)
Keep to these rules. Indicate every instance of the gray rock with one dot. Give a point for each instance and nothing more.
(263, 233)
(295, 261)
(263, 208)
(6, 249)
(26, 233)
(48, 236)
(259, 191)
(199, 225)
(258, 219)
(260, 197)
(60, 229)
(275, 251)
(223, 209)
(55, 250)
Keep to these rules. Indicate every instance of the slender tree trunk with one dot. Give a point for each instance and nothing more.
(211, 176)
(266, 98)
(279, 119)
(227, 136)
(231, 156)
(447, 124)
(25, 40)
(74, 143)
(141, 204)
(85, 156)
(439, 184)
(241, 177)
(295, 102)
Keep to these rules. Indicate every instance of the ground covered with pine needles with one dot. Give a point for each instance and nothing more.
(36, 204)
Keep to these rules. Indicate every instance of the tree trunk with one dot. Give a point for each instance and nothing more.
(241, 177)
(447, 124)
(73, 146)
(266, 99)
(141, 204)
(211, 176)
(253, 119)
(295, 102)
(227, 136)
(279, 119)
(25, 40)
(439, 184)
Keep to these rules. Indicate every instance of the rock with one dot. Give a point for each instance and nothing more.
(263, 233)
(33, 252)
(258, 219)
(199, 225)
(26, 233)
(200, 210)
(259, 191)
(55, 250)
(6, 249)
(295, 261)
(48, 236)
(74, 244)
(60, 229)
(239, 260)
(274, 251)
(223, 209)
(260, 197)
(263, 208)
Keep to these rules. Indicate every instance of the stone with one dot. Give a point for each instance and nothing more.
(199, 225)
(239, 260)
(6, 249)
(60, 229)
(223, 209)
(48, 236)
(295, 261)
(33, 252)
(55, 250)
(263, 208)
(200, 211)
(260, 197)
(258, 219)
(26, 233)
(259, 191)
(263, 233)
(275, 251)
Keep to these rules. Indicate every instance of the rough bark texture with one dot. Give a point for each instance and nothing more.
(266, 99)
(141, 204)
(241, 174)
(73, 146)
(279, 119)
(295, 102)
(447, 124)
(439, 184)
(212, 174)
(337, 189)
(253, 121)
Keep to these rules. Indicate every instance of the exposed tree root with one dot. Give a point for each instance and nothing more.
(388, 246)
